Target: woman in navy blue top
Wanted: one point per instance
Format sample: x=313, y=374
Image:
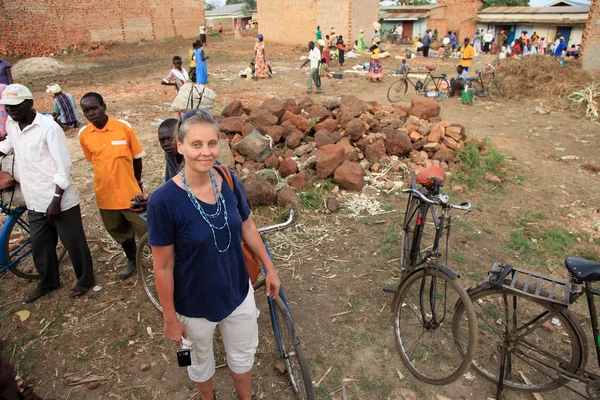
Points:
x=196, y=223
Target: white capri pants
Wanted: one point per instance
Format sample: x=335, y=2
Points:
x=239, y=332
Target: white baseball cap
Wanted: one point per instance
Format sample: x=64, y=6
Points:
x=15, y=94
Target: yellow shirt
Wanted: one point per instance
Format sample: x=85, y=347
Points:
x=467, y=52
x=375, y=54
x=112, y=150
x=192, y=59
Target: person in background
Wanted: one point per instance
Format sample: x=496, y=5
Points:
x=571, y=51
x=314, y=57
x=324, y=69
x=458, y=83
x=534, y=43
x=44, y=165
x=201, y=69
x=5, y=72
x=426, y=43
x=435, y=37
x=453, y=39
x=501, y=40
x=341, y=49
x=318, y=34
x=203, y=35
x=542, y=44
x=361, y=42
x=220, y=29
x=488, y=38
x=196, y=224
x=116, y=154
x=477, y=40
x=516, y=48
x=3, y=115
x=192, y=72
x=261, y=69
x=467, y=55
x=326, y=53
x=402, y=69
x=166, y=133
x=559, y=48
x=525, y=42
x=178, y=76
x=375, y=67
x=65, y=107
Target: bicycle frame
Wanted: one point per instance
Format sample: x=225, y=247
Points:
x=12, y=214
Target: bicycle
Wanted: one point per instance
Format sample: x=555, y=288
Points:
x=533, y=342
x=289, y=346
x=434, y=86
x=495, y=89
x=425, y=297
x=15, y=243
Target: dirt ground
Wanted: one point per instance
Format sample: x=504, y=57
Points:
x=331, y=264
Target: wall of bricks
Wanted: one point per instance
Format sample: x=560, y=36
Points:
x=591, y=38
x=59, y=24
x=295, y=21
x=458, y=16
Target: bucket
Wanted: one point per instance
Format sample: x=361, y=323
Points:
x=467, y=96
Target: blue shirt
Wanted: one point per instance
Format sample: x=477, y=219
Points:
x=62, y=113
x=208, y=284
x=3, y=76
x=453, y=39
x=426, y=40
x=561, y=46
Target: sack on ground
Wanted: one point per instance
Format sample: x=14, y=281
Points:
x=193, y=96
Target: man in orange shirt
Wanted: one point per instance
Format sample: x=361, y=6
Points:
x=116, y=153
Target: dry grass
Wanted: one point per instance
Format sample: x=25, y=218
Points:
x=541, y=77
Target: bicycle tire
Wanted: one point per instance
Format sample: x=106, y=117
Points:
x=439, y=86
x=411, y=233
x=444, y=361
x=484, y=359
x=295, y=361
x=25, y=268
x=397, y=90
x=497, y=91
x=145, y=270
x=478, y=89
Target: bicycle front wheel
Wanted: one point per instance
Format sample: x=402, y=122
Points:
x=412, y=231
x=291, y=351
x=543, y=339
x=423, y=314
x=438, y=88
x=497, y=91
x=18, y=249
x=397, y=90
x=145, y=270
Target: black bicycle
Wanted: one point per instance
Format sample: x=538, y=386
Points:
x=493, y=88
x=426, y=297
x=532, y=341
x=423, y=81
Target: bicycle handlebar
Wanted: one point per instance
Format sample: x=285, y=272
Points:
x=441, y=200
x=278, y=227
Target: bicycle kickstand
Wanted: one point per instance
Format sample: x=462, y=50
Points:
x=504, y=359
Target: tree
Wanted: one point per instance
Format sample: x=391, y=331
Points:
x=413, y=2
x=250, y=4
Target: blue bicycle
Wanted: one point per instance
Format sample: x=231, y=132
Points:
x=15, y=243
x=282, y=321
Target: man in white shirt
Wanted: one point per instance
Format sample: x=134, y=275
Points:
x=314, y=58
x=44, y=165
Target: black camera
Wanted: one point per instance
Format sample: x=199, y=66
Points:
x=184, y=357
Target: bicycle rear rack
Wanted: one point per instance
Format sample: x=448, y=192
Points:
x=530, y=283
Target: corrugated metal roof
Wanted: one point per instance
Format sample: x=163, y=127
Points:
x=536, y=10
x=403, y=15
x=410, y=8
x=233, y=9
x=507, y=20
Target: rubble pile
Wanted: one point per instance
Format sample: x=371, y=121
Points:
x=342, y=138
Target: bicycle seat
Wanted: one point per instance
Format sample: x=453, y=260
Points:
x=431, y=67
x=582, y=269
x=6, y=180
x=430, y=175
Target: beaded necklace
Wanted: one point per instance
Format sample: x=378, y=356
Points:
x=221, y=207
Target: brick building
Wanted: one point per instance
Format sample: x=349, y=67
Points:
x=55, y=24
x=591, y=38
x=458, y=16
x=295, y=21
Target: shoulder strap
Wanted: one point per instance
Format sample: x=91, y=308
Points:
x=226, y=174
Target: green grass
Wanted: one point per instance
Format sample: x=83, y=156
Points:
x=311, y=199
x=473, y=166
x=313, y=121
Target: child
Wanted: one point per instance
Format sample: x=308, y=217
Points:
x=324, y=69
x=402, y=69
x=173, y=159
x=178, y=75
x=459, y=82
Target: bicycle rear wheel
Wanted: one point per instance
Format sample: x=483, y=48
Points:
x=543, y=339
x=496, y=90
x=291, y=351
x=478, y=89
x=397, y=90
x=427, y=346
x=145, y=270
x=438, y=88
x=18, y=249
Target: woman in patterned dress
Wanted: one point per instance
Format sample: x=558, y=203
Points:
x=261, y=69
